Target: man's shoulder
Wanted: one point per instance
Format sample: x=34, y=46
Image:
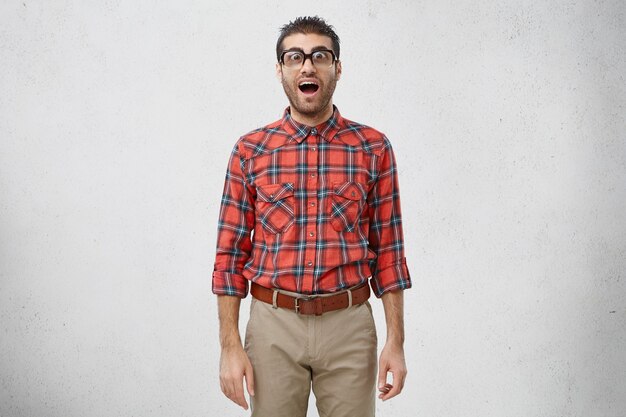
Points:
x=361, y=135
x=262, y=139
x=259, y=134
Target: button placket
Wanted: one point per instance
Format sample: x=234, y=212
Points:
x=312, y=213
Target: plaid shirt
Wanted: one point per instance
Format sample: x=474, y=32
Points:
x=310, y=210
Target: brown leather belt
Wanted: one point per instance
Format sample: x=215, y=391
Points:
x=308, y=304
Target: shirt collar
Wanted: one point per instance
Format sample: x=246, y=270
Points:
x=299, y=132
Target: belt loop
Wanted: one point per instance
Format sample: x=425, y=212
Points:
x=274, y=297
x=349, y=298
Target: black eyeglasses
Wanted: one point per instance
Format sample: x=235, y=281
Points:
x=322, y=58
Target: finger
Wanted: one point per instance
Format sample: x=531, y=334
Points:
x=235, y=393
x=241, y=399
x=385, y=389
x=225, y=386
x=402, y=379
x=382, y=375
x=395, y=390
x=398, y=382
x=249, y=374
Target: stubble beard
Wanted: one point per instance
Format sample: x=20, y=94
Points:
x=301, y=105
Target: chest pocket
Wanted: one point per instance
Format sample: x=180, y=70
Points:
x=275, y=206
x=346, y=204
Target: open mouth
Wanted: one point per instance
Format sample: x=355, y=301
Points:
x=308, y=87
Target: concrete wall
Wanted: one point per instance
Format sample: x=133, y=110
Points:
x=508, y=121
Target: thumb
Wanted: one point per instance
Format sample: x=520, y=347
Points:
x=382, y=375
x=249, y=379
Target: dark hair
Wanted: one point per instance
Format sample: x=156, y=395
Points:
x=306, y=25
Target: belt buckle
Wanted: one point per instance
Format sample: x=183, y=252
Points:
x=297, y=303
x=317, y=302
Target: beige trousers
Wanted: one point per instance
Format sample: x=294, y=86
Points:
x=335, y=354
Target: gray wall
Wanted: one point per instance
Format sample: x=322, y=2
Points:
x=508, y=121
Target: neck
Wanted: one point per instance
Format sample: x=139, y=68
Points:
x=312, y=119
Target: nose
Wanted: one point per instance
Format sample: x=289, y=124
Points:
x=307, y=65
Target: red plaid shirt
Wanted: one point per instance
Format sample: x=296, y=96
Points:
x=310, y=210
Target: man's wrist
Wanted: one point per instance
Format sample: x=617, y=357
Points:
x=395, y=341
x=232, y=344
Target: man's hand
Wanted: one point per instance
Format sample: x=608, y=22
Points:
x=392, y=356
x=234, y=366
x=391, y=360
x=234, y=363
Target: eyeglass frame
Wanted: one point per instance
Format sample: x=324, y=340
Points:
x=281, y=60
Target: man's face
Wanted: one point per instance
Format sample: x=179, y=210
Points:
x=313, y=100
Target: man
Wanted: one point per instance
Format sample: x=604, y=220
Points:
x=310, y=212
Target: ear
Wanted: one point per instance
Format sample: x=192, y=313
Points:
x=338, y=69
x=279, y=72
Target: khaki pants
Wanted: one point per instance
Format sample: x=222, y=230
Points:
x=335, y=354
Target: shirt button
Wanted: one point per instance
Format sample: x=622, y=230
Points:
x=312, y=203
x=314, y=131
x=313, y=149
x=310, y=263
x=311, y=234
x=313, y=175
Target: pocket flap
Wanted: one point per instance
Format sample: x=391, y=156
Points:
x=274, y=192
x=349, y=190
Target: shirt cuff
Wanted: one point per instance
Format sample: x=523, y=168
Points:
x=226, y=283
x=390, y=278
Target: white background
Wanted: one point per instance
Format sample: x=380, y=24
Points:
x=508, y=122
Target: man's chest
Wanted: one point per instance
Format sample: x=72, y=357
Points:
x=313, y=165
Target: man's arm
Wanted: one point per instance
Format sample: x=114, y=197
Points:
x=392, y=356
x=234, y=363
x=236, y=220
x=390, y=275
x=233, y=250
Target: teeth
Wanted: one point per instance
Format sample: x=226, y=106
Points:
x=307, y=83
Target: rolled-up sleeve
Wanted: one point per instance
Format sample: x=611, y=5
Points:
x=389, y=269
x=236, y=220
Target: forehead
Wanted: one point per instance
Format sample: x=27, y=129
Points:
x=307, y=41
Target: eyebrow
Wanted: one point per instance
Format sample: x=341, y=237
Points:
x=315, y=48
